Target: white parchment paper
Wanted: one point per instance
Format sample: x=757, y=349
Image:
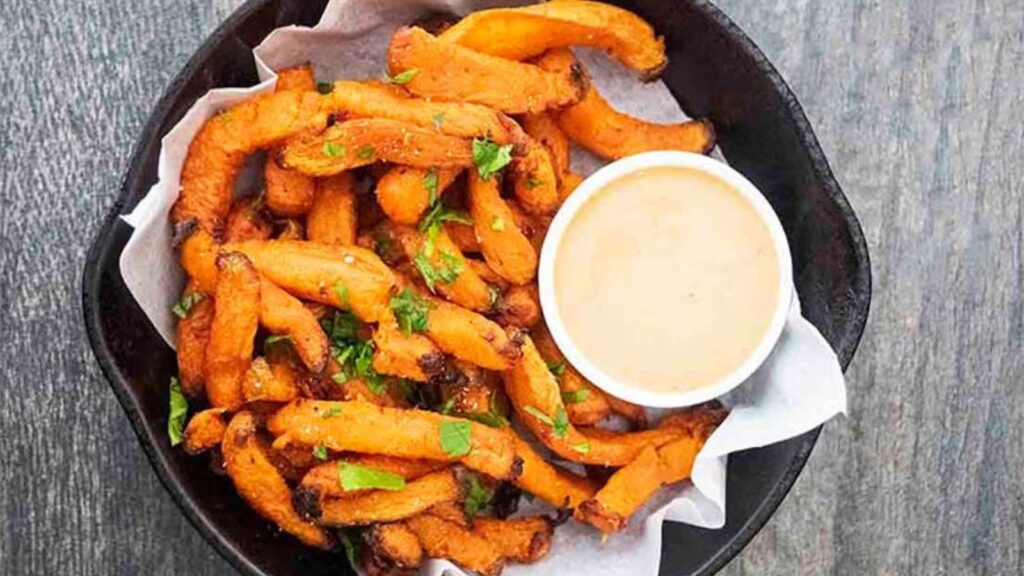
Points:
x=798, y=388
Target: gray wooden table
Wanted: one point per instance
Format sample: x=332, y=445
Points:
x=919, y=106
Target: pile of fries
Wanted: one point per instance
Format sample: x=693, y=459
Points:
x=366, y=330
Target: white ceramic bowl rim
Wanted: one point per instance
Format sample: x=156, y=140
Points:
x=583, y=193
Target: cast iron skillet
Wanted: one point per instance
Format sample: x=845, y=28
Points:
x=714, y=71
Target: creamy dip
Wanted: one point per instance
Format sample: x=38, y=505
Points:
x=667, y=279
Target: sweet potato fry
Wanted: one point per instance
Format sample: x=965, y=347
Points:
x=507, y=251
x=289, y=192
x=235, y=320
x=484, y=271
x=595, y=125
x=404, y=192
x=346, y=277
x=443, y=539
x=411, y=356
x=447, y=71
x=519, y=306
x=260, y=484
x=524, y=32
x=443, y=268
x=363, y=141
x=464, y=237
x=387, y=506
x=469, y=336
x=193, y=333
x=261, y=384
x=543, y=128
x=332, y=218
x=246, y=221
x=584, y=402
x=283, y=314
x=297, y=78
x=535, y=178
x=395, y=543
x=552, y=484
x=217, y=152
x=204, y=431
x=198, y=256
x=363, y=427
x=609, y=510
x=523, y=540
x=322, y=480
x=534, y=393
x=374, y=100
x=635, y=414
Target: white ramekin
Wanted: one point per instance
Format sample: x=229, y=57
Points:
x=583, y=193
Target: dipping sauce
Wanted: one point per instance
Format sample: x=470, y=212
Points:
x=667, y=279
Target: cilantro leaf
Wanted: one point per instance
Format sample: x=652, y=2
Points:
x=438, y=120
x=320, y=452
x=178, y=411
x=539, y=415
x=582, y=447
x=324, y=87
x=356, y=477
x=532, y=182
x=331, y=412
x=430, y=183
x=410, y=311
x=352, y=552
x=557, y=368
x=365, y=152
x=342, y=291
x=498, y=223
x=478, y=496
x=402, y=77
x=333, y=149
x=575, y=396
x=561, y=424
x=184, y=306
x=448, y=406
x=455, y=437
x=490, y=158
x=492, y=419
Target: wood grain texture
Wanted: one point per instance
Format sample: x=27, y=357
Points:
x=919, y=107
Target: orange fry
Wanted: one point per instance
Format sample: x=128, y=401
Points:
x=507, y=251
x=363, y=427
x=332, y=218
x=204, y=431
x=282, y=313
x=363, y=141
x=595, y=125
x=411, y=356
x=537, y=400
x=246, y=221
x=345, y=277
x=446, y=71
x=444, y=539
x=444, y=269
x=387, y=506
x=193, y=334
x=404, y=192
x=322, y=480
x=527, y=31
x=552, y=484
x=235, y=320
x=260, y=484
x=523, y=540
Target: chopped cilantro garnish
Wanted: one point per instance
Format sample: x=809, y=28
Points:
x=582, y=447
x=559, y=424
x=356, y=477
x=365, y=152
x=331, y=412
x=342, y=291
x=498, y=223
x=448, y=406
x=402, y=77
x=333, y=149
x=478, y=497
x=557, y=368
x=430, y=183
x=455, y=438
x=324, y=87
x=438, y=120
x=320, y=452
x=410, y=310
x=575, y=396
x=533, y=182
x=184, y=306
x=178, y=410
x=489, y=157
